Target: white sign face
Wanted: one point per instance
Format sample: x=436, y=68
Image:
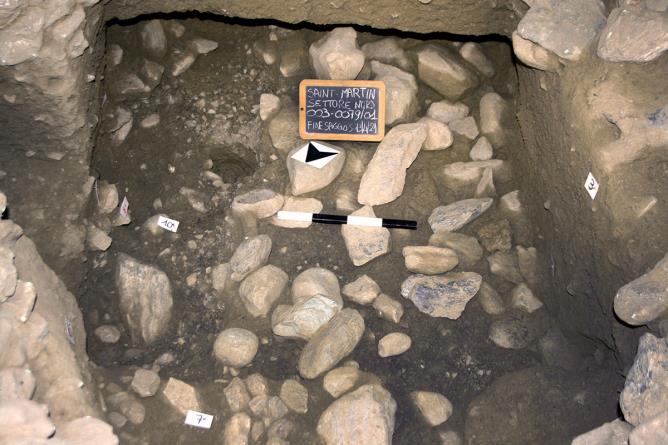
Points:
x=591, y=184
x=125, y=206
x=316, y=154
x=200, y=420
x=168, y=224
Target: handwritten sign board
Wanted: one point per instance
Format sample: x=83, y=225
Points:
x=352, y=110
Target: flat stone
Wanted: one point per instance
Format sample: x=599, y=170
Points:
x=473, y=54
x=181, y=396
x=496, y=235
x=261, y=289
x=466, y=127
x=429, y=260
x=400, y=92
x=365, y=243
x=296, y=204
x=261, y=203
x=445, y=111
x=445, y=71
x=504, y=265
x=270, y=105
x=434, y=407
x=305, y=178
x=439, y=136
x=145, y=382
x=150, y=121
x=236, y=347
x=392, y=344
x=466, y=247
x=644, y=299
x=522, y=298
x=534, y=55
x=316, y=281
x=295, y=396
x=340, y=380
x=305, y=318
x=362, y=291
x=482, y=150
x=388, y=308
x=251, y=254
x=336, y=55
x=443, y=295
x=492, y=110
x=182, y=61
x=454, y=216
x=385, y=175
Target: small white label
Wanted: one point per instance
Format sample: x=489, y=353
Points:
x=591, y=185
x=168, y=224
x=125, y=206
x=200, y=420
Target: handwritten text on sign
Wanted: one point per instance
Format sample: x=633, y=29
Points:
x=198, y=419
x=342, y=110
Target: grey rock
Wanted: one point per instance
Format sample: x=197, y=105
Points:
x=392, y=344
x=181, y=62
x=337, y=56
x=365, y=243
x=466, y=247
x=434, y=407
x=145, y=297
x=400, y=92
x=445, y=71
x=203, y=46
x=456, y=215
x=492, y=110
x=261, y=289
x=316, y=281
x=236, y=347
x=251, y=254
x=429, y=260
x=442, y=295
x=611, y=433
x=504, y=265
x=388, y=308
x=445, y=111
x=362, y=291
x=305, y=318
x=305, y=178
x=490, y=300
x=646, y=298
x=486, y=188
x=522, y=298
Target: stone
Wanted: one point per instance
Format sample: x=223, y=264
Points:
x=429, y=260
x=145, y=382
x=482, y=150
x=117, y=420
x=97, y=240
x=220, y=276
x=181, y=396
x=296, y=204
x=645, y=392
x=129, y=84
x=466, y=127
x=331, y=344
x=387, y=50
x=336, y=55
x=122, y=126
x=251, y=254
x=496, y=236
x=388, y=308
x=486, y=188
x=490, y=300
x=504, y=265
x=203, y=46
x=365, y=243
x=527, y=260
x=305, y=178
x=439, y=136
x=556, y=350
x=151, y=73
x=450, y=438
x=392, y=344
x=236, y=347
x=128, y=406
x=445, y=111
x=644, y=299
x=270, y=105
x=261, y=289
x=21, y=305
x=114, y=55
x=294, y=59
x=340, y=380
x=516, y=330
x=182, y=61
x=473, y=54
x=385, y=175
x=295, y=396
x=266, y=51
x=510, y=203
x=85, y=431
x=633, y=33
x=534, y=55
x=445, y=71
x=492, y=110
x=400, y=93
x=462, y=173
x=305, y=318
x=362, y=291
x=434, y=407
x=8, y=274
x=284, y=130
x=150, y=121
x=653, y=431
x=316, y=281
x=25, y=419
x=107, y=197
x=16, y=384
x=522, y=298
x=153, y=38
x=364, y=416
x=454, y=216
x=237, y=430
x=237, y=395
x=198, y=200
x=260, y=203
x=442, y=295
x=466, y=247
x=257, y=384
x=611, y=433
x=145, y=298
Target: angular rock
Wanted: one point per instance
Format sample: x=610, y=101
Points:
x=445, y=111
x=340, y=380
x=496, y=236
x=490, y=300
x=504, y=264
x=181, y=396
x=153, y=38
x=331, y=343
x=434, y=407
x=534, y=55
x=236, y=347
x=516, y=330
x=439, y=136
x=429, y=260
x=611, y=433
x=107, y=197
x=270, y=104
x=236, y=395
x=486, y=188
x=385, y=175
x=387, y=50
x=365, y=243
x=456, y=215
x=295, y=204
x=443, y=295
x=305, y=178
x=482, y=150
x=400, y=92
x=460, y=173
x=362, y=291
x=646, y=298
x=220, y=276
x=466, y=247
x=445, y=72
x=652, y=431
x=388, y=308
x=466, y=127
x=203, y=46
x=365, y=416
x=145, y=297
x=97, y=240
x=145, y=382
x=492, y=109
x=510, y=203
x=251, y=254
x=522, y=298
x=392, y=344
x=257, y=384
x=284, y=130
x=295, y=396
x=261, y=289
x=473, y=54
x=337, y=56
x=316, y=281
x=85, y=431
x=182, y=61
x=305, y=318
x=261, y=203
x=237, y=430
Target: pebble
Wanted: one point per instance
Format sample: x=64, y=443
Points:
x=150, y=121
x=439, y=136
x=220, y=276
x=466, y=247
x=490, y=300
x=236, y=347
x=482, y=150
x=365, y=243
x=445, y=111
x=97, y=240
x=395, y=343
x=445, y=71
x=260, y=290
x=644, y=299
x=363, y=290
x=181, y=396
x=429, y=260
x=510, y=203
x=522, y=298
x=454, y=216
x=316, y=281
x=108, y=334
x=295, y=396
x=145, y=382
x=182, y=62
x=236, y=395
x=340, y=380
x=203, y=46
x=434, y=407
x=442, y=295
x=251, y=254
x=336, y=55
x=388, y=308
x=473, y=54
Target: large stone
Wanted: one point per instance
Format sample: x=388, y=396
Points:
x=145, y=297
x=153, y=38
x=365, y=243
x=145, y=382
x=385, y=176
x=646, y=298
x=237, y=430
x=284, y=129
x=466, y=247
x=534, y=55
x=442, y=295
x=434, y=407
x=429, y=260
x=251, y=254
x=496, y=235
x=454, y=216
x=400, y=92
x=445, y=71
x=362, y=291
x=236, y=347
x=181, y=396
x=492, y=109
x=316, y=281
x=261, y=289
x=261, y=203
x=473, y=54
x=295, y=204
x=566, y=27
x=439, y=136
x=522, y=298
x=331, y=343
x=634, y=33
x=611, y=433
x=305, y=178
x=387, y=50
x=653, y=431
x=305, y=318
x=340, y=380
x=295, y=396
x=392, y=344
x=645, y=392
x=365, y=416
x=445, y=111
x=336, y=56
x=85, y=431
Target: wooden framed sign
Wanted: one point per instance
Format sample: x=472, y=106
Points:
x=351, y=110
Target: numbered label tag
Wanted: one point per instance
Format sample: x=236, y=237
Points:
x=591, y=184
x=168, y=224
x=125, y=206
x=200, y=420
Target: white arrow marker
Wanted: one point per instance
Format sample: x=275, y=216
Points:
x=316, y=154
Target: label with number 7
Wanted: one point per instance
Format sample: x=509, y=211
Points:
x=200, y=420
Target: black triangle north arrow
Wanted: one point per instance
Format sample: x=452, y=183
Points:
x=313, y=154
